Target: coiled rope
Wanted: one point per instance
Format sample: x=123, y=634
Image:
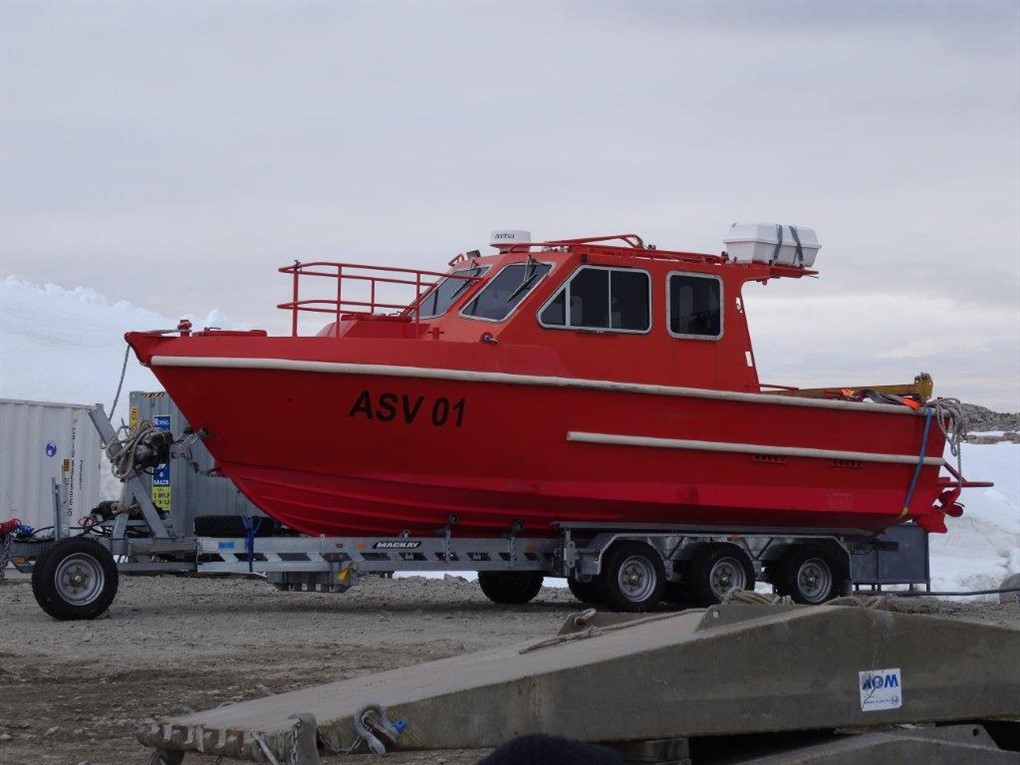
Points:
x=952, y=419
x=123, y=465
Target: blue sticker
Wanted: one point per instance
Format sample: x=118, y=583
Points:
x=51, y=449
x=161, y=474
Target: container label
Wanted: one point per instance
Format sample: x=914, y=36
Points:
x=881, y=689
x=161, y=473
x=51, y=449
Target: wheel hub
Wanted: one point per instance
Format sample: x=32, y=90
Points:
x=79, y=579
x=727, y=575
x=814, y=581
x=635, y=579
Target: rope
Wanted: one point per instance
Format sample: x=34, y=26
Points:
x=120, y=384
x=752, y=598
x=123, y=465
x=952, y=420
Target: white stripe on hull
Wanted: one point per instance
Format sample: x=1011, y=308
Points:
x=733, y=448
x=426, y=373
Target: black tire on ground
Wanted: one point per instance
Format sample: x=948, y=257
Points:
x=715, y=570
x=810, y=574
x=510, y=588
x=233, y=526
x=678, y=594
x=633, y=577
x=75, y=579
x=586, y=592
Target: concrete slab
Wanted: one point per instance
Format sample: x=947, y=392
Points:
x=731, y=670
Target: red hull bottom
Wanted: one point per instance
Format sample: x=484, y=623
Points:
x=337, y=505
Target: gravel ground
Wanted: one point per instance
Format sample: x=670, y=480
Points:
x=75, y=692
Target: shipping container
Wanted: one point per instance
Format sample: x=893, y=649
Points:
x=41, y=441
x=184, y=491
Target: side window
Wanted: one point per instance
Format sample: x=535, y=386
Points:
x=601, y=298
x=505, y=290
x=695, y=306
x=441, y=297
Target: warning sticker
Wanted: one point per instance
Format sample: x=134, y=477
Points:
x=881, y=689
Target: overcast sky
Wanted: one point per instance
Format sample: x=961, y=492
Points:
x=174, y=154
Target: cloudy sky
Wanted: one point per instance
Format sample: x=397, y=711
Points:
x=175, y=153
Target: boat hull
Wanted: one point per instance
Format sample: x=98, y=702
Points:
x=339, y=446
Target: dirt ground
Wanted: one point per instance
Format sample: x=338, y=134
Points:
x=76, y=692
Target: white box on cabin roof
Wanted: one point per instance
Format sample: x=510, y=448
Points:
x=773, y=243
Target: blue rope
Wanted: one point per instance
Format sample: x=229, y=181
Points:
x=920, y=462
x=251, y=527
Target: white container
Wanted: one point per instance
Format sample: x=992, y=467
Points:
x=40, y=441
x=772, y=243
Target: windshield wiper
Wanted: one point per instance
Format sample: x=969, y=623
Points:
x=529, y=275
x=464, y=282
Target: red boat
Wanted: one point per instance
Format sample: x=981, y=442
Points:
x=598, y=381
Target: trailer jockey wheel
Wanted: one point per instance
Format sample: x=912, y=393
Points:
x=810, y=574
x=75, y=579
x=633, y=577
x=716, y=570
x=510, y=588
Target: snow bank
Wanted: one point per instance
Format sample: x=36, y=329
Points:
x=68, y=345
x=982, y=547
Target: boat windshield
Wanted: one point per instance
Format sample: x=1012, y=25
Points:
x=506, y=290
x=441, y=297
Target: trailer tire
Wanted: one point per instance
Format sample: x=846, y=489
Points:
x=716, y=570
x=510, y=588
x=810, y=574
x=75, y=579
x=633, y=577
x=586, y=592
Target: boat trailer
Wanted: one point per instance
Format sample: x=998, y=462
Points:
x=777, y=684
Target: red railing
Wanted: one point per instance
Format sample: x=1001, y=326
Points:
x=371, y=279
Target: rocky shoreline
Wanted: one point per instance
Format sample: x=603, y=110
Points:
x=981, y=420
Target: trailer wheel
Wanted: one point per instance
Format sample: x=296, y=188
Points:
x=510, y=588
x=633, y=577
x=75, y=579
x=586, y=592
x=718, y=569
x=810, y=574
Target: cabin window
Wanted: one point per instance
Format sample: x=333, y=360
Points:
x=505, y=290
x=596, y=297
x=695, y=306
x=441, y=297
